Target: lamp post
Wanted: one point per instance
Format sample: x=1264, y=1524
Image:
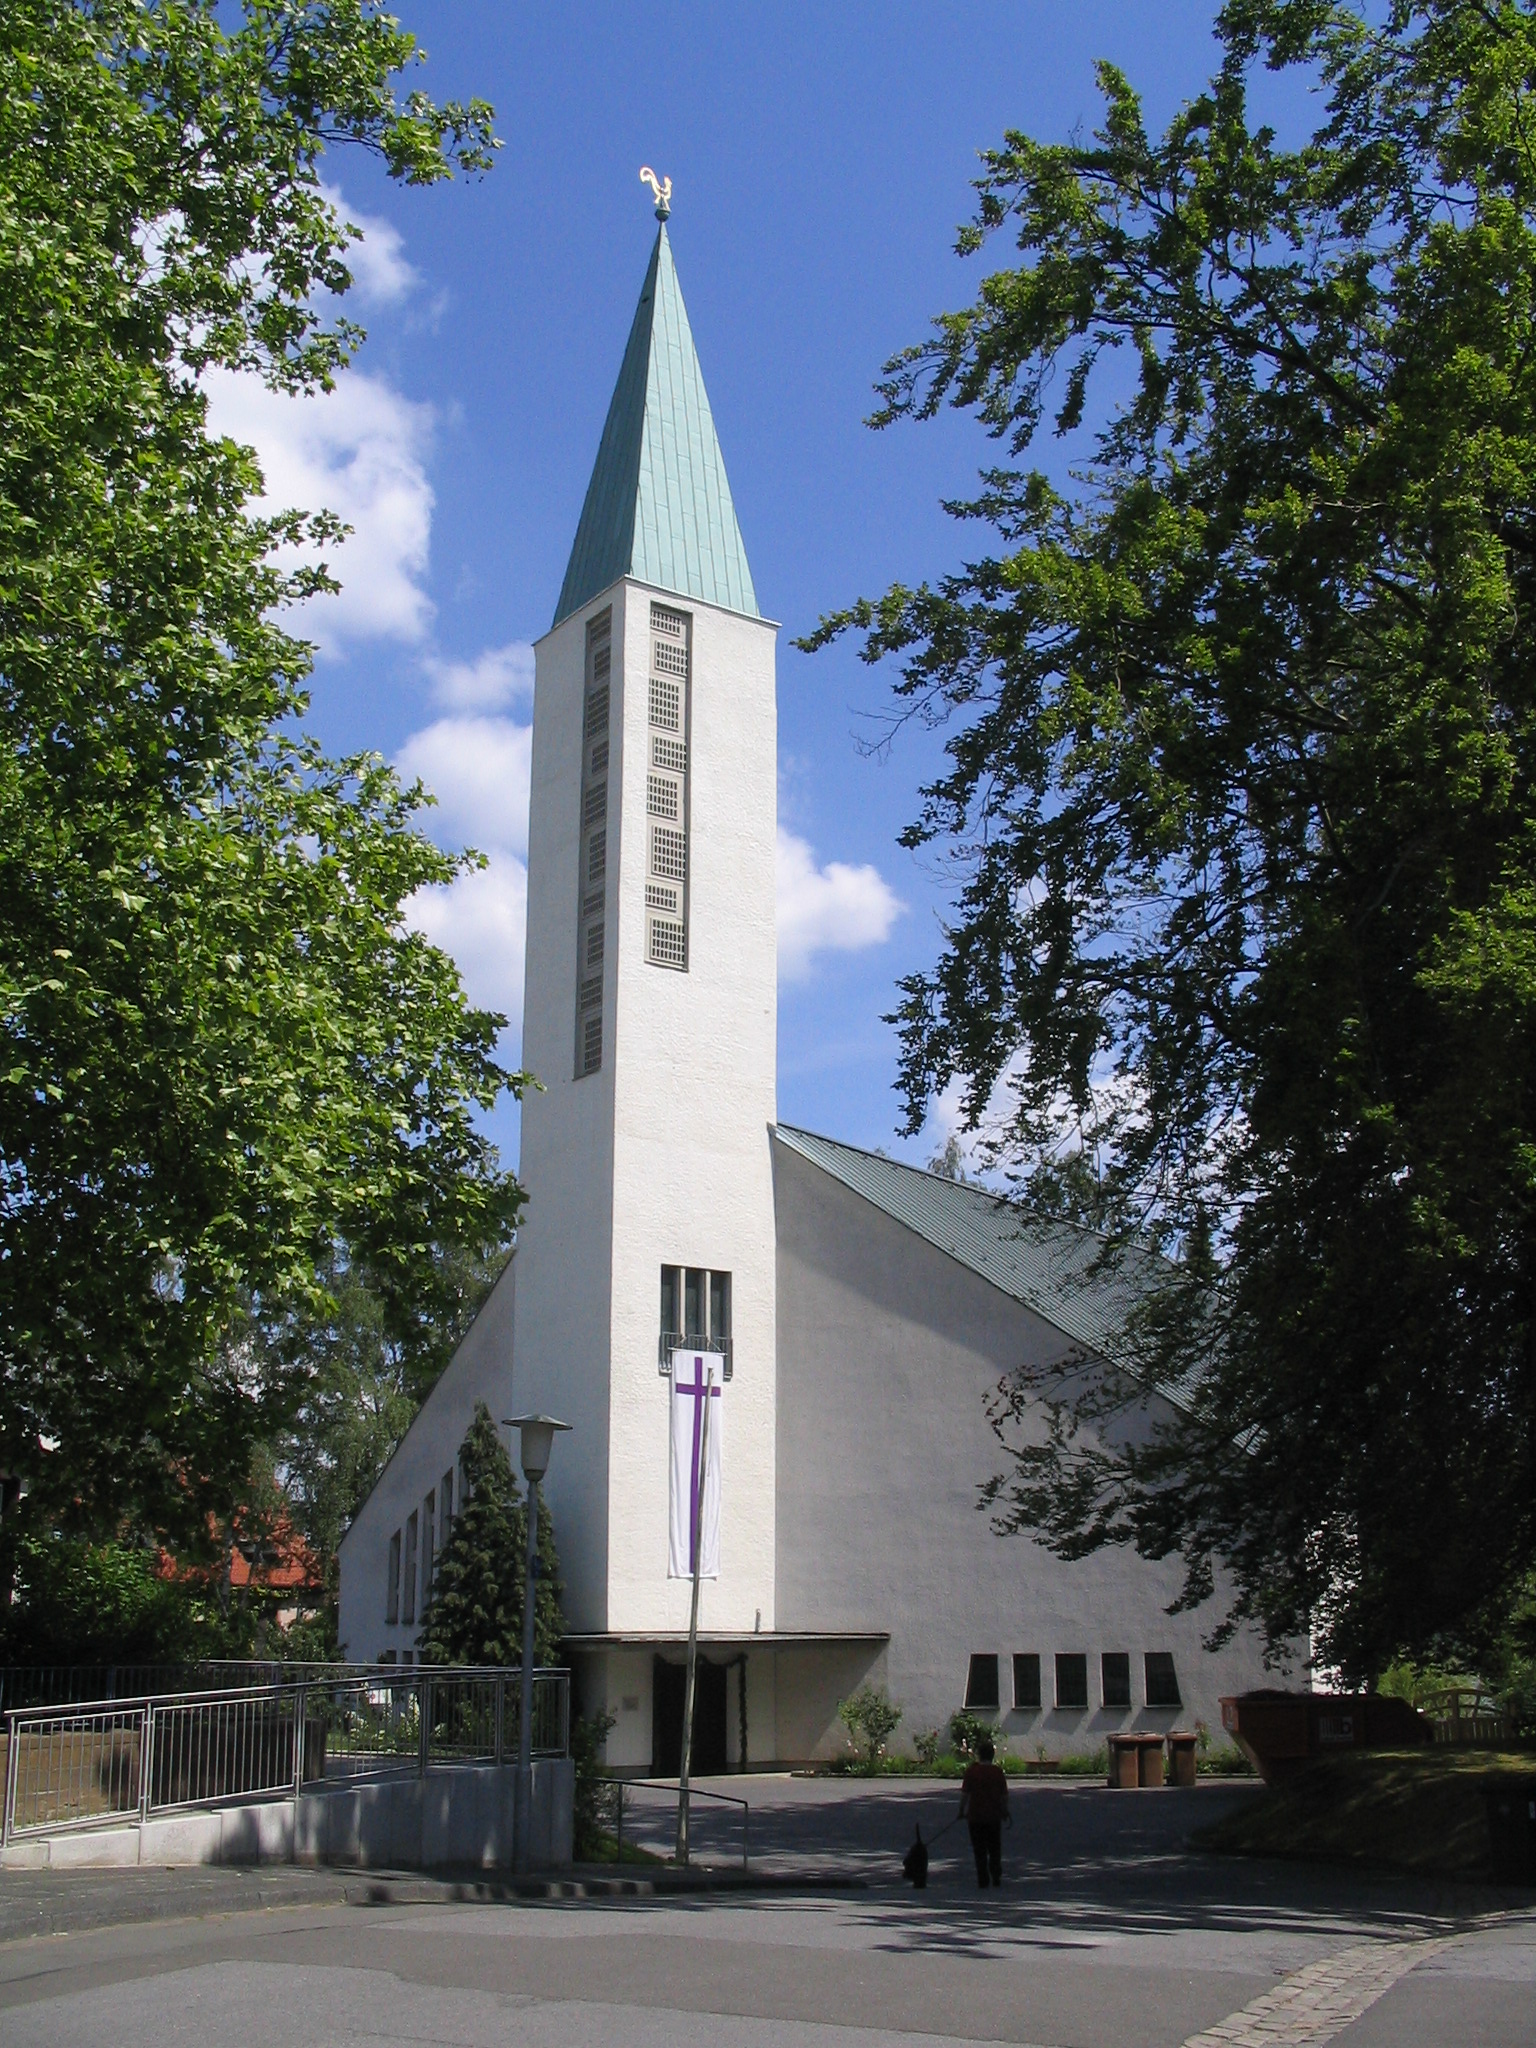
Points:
x=536, y=1438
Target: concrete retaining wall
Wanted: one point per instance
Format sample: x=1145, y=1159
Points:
x=460, y=1814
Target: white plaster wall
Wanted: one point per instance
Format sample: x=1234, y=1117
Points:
x=887, y=1352
x=809, y=1683
x=694, y=1097
x=566, y=1165
x=481, y=1369
x=626, y=1675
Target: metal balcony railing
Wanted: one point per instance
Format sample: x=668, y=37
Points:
x=673, y=1340
x=96, y=1763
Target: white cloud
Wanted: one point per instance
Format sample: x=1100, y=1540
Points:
x=357, y=451
x=831, y=909
x=498, y=677
x=478, y=770
x=479, y=920
x=381, y=276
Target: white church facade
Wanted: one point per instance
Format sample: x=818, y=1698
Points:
x=854, y=1314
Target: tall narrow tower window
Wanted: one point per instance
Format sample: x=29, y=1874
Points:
x=666, y=790
x=593, y=859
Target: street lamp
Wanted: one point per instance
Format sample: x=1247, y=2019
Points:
x=536, y=1439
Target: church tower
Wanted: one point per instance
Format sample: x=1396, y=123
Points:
x=650, y=1015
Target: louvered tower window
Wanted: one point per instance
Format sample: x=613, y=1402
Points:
x=593, y=862
x=666, y=790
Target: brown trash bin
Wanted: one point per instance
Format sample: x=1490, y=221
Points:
x=1124, y=1772
x=1181, y=1759
x=1149, y=1772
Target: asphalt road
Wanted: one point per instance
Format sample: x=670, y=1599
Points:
x=1108, y=1930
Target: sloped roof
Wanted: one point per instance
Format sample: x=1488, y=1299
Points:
x=1046, y=1265
x=659, y=506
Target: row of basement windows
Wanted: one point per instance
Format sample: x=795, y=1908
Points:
x=412, y=1555
x=983, y=1692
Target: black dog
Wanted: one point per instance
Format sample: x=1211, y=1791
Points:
x=915, y=1863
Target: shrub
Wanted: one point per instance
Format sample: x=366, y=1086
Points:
x=589, y=1832
x=1088, y=1764
x=870, y=1717
x=926, y=1747
x=966, y=1731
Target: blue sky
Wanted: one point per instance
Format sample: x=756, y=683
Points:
x=821, y=160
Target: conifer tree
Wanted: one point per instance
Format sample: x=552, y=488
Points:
x=476, y=1612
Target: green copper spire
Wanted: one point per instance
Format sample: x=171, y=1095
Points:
x=659, y=507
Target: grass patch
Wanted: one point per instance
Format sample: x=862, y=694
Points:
x=1419, y=1810
x=1228, y=1761
x=604, y=1848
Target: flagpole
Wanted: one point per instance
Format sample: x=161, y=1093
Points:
x=693, y=1626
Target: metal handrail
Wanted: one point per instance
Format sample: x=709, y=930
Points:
x=96, y=1763
x=694, y=1792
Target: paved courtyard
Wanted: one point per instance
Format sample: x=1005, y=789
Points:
x=1109, y=1930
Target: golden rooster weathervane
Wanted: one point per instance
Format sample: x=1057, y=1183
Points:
x=661, y=187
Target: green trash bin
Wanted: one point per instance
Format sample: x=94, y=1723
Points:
x=1512, y=1831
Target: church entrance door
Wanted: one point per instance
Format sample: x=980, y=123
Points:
x=669, y=1690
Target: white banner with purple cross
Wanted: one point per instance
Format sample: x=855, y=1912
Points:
x=695, y=1383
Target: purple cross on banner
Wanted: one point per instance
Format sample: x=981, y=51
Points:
x=695, y=1382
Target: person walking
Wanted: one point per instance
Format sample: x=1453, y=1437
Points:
x=984, y=1808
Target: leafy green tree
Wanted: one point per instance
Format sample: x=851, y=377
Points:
x=476, y=1612
x=1239, y=784
x=222, y=1053
x=362, y=1377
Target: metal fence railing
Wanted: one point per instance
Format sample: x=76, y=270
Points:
x=88, y=1764
x=58, y=1685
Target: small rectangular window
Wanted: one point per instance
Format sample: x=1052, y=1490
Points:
x=408, y=1585
x=598, y=768
x=1115, y=1678
x=386, y=1656
x=668, y=943
x=592, y=1042
x=594, y=805
x=670, y=660
x=695, y=1298
x=392, y=1590
x=665, y=620
x=597, y=857
x=428, y=1559
x=1162, y=1680
x=1026, y=1681
x=659, y=898
x=981, y=1696
x=671, y=1309
x=666, y=705
x=669, y=854
x=596, y=720
x=719, y=1308
x=661, y=795
x=1071, y=1679
x=445, y=1499
x=695, y=1315
x=671, y=755
x=594, y=945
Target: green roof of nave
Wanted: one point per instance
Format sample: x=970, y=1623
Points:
x=659, y=507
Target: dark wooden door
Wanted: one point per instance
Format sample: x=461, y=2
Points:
x=669, y=1688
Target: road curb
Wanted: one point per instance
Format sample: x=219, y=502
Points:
x=381, y=1890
